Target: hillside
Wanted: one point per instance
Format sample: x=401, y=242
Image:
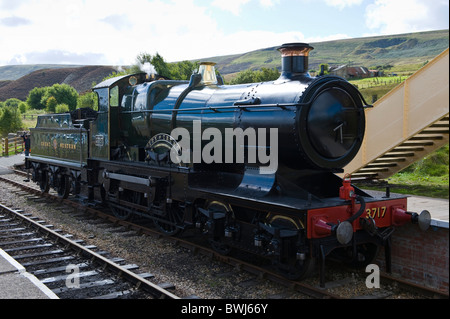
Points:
x=411, y=48
x=372, y=52
x=81, y=78
x=14, y=72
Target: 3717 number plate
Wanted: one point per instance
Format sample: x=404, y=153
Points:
x=376, y=212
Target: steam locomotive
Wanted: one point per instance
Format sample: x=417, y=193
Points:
x=255, y=168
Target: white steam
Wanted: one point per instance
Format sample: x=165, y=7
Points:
x=148, y=68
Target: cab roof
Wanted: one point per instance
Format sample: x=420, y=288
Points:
x=122, y=80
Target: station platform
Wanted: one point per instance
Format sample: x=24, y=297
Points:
x=16, y=283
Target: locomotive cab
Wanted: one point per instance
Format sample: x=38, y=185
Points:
x=105, y=129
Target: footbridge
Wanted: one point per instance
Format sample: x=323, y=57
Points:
x=406, y=124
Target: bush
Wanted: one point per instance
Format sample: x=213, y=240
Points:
x=13, y=102
x=23, y=107
x=89, y=100
x=10, y=120
x=35, y=97
x=251, y=76
x=38, y=98
x=63, y=93
x=51, y=104
x=62, y=108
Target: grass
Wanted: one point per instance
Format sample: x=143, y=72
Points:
x=410, y=184
x=427, y=177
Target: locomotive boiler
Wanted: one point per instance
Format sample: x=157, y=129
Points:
x=250, y=167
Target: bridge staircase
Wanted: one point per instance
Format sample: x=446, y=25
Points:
x=406, y=124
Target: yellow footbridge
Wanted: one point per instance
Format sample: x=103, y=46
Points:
x=406, y=124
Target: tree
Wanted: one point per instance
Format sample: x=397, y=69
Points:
x=13, y=102
x=62, y=108
x=34, y=99
x=160, y=65
x=10, y=120
x=246, y=76
x=143, y=58
x=88, y=100
x=51, y=104
x=23, y=107
x=253, y=76
x=182, y=70
x=63, y=93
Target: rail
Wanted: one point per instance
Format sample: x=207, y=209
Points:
x=123, y=272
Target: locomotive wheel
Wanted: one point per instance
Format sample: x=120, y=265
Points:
x=122, y=212
x=44, y=182
x=365, y=254
x=63, y=188
x=289, y=268
x=300, y=270
x=216, y=243
x=221, y=248
x=75, y=185
x=167, y=223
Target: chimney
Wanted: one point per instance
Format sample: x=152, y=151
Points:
x=294, y=59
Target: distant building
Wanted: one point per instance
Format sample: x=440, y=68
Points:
x=352, y=72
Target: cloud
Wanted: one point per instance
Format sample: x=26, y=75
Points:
x=405, y=16
x=268, y=3
x=11, y=5
x=341, y=4
x=14, y=21
x=118, y=21
x=55, y=57
x=179, y=29
x=233, y=6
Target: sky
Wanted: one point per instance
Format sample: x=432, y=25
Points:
x=115, y=32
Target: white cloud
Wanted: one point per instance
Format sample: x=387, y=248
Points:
x=233, y=6
x=115, y=33
x=405, y=16
x=110, y=32
x=14, y=21
x=105, y=28
x=268, y=3
x=341, y=4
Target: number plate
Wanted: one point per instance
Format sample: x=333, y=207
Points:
x=376, y=212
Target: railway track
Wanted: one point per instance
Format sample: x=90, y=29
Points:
x=69, y=267
x=308, y=288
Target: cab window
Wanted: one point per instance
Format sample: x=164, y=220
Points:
x=140, y=102
x=114, y=96
x=102, y=99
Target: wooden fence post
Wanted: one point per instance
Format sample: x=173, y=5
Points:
x=6, y=148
